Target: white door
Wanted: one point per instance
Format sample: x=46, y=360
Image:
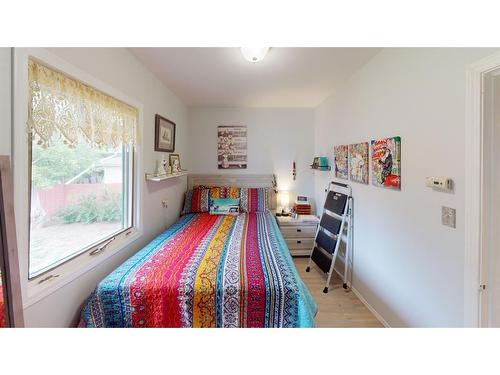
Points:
x=490, y=262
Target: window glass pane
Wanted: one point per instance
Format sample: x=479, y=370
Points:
x=79, y=198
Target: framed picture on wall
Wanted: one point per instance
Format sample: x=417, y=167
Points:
x=341, y=154
x=386, y=162
x=358, y=162
x=164, y=134
x=175, y=163
x=232, y=147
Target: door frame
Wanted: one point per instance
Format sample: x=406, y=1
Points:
x=474, y=188
x=9, y=256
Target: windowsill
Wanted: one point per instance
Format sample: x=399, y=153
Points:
x=72, y=270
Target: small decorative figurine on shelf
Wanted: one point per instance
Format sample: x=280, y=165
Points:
x=159, y=170
x=175, y=166
x=166, y=167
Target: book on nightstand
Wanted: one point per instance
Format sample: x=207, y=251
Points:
x=302, y=209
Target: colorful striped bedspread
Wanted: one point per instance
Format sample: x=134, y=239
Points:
x=206, y=271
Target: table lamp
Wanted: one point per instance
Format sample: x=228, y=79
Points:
x=284, y=201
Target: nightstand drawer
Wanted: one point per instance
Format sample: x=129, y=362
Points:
x=298, y=231
x=300, y=243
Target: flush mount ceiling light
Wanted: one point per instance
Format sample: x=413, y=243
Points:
x=254, y=54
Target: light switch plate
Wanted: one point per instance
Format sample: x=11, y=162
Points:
x=449, y=216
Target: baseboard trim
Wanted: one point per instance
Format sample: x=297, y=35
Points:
x=364, y=301
x=370, y=307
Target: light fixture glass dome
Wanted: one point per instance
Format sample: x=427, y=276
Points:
x=254, y=54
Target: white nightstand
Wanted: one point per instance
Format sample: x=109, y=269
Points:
x=298, y=233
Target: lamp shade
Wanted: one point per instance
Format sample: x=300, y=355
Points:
x=284, y=198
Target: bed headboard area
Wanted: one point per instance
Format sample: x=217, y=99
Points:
x=238, y=180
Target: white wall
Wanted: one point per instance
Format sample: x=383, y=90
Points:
x=276, y=138
x=118, y=68
x=5, y=101
x=408, y=266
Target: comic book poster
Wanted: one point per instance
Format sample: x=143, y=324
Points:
x=341, y=157
x=358, y=162
x=386, y=162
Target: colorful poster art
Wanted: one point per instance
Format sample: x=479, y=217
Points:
x=341, y=154
x=232, y=147
x=386, y=162
x=358, y=162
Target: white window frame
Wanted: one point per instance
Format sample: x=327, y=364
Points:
x=102, y=244
x=34, y=290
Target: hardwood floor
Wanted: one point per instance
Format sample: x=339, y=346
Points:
x=337, y=308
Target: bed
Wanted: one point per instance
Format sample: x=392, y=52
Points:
x=206, y=271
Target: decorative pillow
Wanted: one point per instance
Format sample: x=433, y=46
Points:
x=196, y=200
x=218, y=192
x=254, y=199
x=222, y=191
x=225, y=206
x=233, y=192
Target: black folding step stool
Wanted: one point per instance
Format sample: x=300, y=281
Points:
x=336, y=219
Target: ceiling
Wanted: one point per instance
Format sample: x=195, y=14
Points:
x=220, y=77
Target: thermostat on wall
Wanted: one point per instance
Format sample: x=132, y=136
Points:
x=439, y=183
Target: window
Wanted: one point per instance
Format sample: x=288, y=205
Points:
x=81, y=168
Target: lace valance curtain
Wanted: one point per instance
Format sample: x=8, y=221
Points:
x=60, y=106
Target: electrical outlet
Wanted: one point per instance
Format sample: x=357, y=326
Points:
x=448, y=216
x=164, y=203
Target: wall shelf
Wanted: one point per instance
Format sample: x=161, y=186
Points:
x=161, y=177
x=324, y=169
